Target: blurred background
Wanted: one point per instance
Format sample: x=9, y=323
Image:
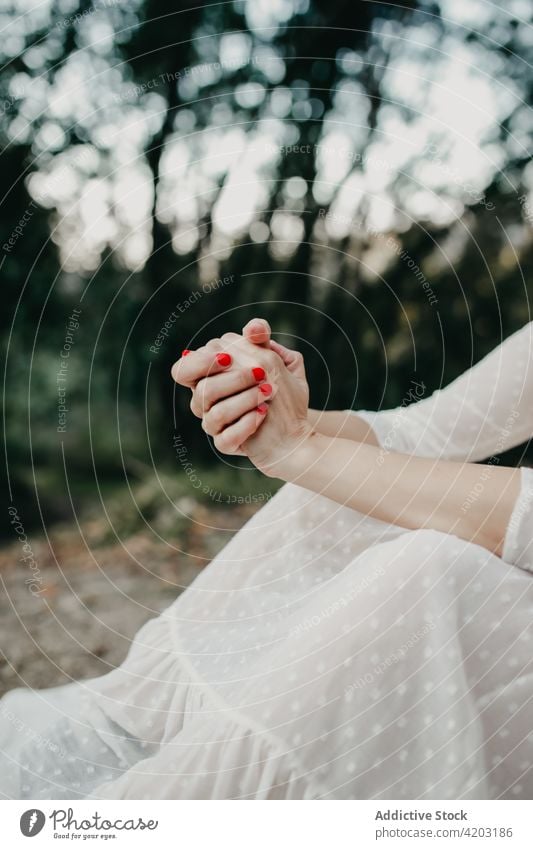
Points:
x=359, y=173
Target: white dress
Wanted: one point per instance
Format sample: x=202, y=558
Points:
x=322, y=654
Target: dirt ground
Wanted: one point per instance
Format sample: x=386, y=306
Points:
x=71, y=611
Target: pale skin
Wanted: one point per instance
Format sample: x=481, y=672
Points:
x=335, y=454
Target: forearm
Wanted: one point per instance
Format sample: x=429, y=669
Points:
x=345, y=425
x=472, y=501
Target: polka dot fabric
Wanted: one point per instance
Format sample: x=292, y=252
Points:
x=485, y=411
x=322, y=654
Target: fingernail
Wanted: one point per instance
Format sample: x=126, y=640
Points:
x=259, y=373
x=262, y=408
x=223, y=359
x=185, y=352
x=266, y=389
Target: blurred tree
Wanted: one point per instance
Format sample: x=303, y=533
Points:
x=317, y=155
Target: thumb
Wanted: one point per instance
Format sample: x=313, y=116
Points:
x=258, y=332
x=293, y=359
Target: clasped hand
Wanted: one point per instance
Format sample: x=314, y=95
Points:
x=251, y=394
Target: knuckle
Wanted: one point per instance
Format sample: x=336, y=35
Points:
x=264, y=358
x=209, y=425
x=222, y=444
x=230, y=337
x=193, y=405
x=203, y=394
x=174, y=371
x=270, y=362
x=269, y=359
x=215, y=418
x=244, y=377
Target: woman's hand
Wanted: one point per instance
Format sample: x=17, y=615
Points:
x=234, y=419
x=225, y=389
x=273, y=447
x=353, y=471
x=213, y=358
x=232, y=377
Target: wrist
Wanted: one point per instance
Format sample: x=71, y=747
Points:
x=304, y=456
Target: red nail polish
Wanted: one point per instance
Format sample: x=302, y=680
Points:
x=223, y=359
x=266, y=389
x=262, y=408
x=185, y=352
x=259, y=373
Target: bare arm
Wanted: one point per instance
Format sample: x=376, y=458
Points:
x=472, y=501
x=344, y=424
x=336, y=455
x=488, y=409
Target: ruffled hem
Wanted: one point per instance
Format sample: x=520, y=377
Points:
x=240, y=764
x=200, y=747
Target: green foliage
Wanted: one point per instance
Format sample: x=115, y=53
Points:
x=180, y=80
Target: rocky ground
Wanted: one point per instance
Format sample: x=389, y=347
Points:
x=71, y=611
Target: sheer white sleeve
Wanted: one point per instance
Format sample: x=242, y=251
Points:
x=485, y=411
x=518, y=543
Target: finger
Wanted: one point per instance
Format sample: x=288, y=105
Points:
x=214, y=345
x=231, y=439
x=227, y=412
x=188, y=370
x=257, y=331
x=211, y=390
x=231, y=338
x=292, y=359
